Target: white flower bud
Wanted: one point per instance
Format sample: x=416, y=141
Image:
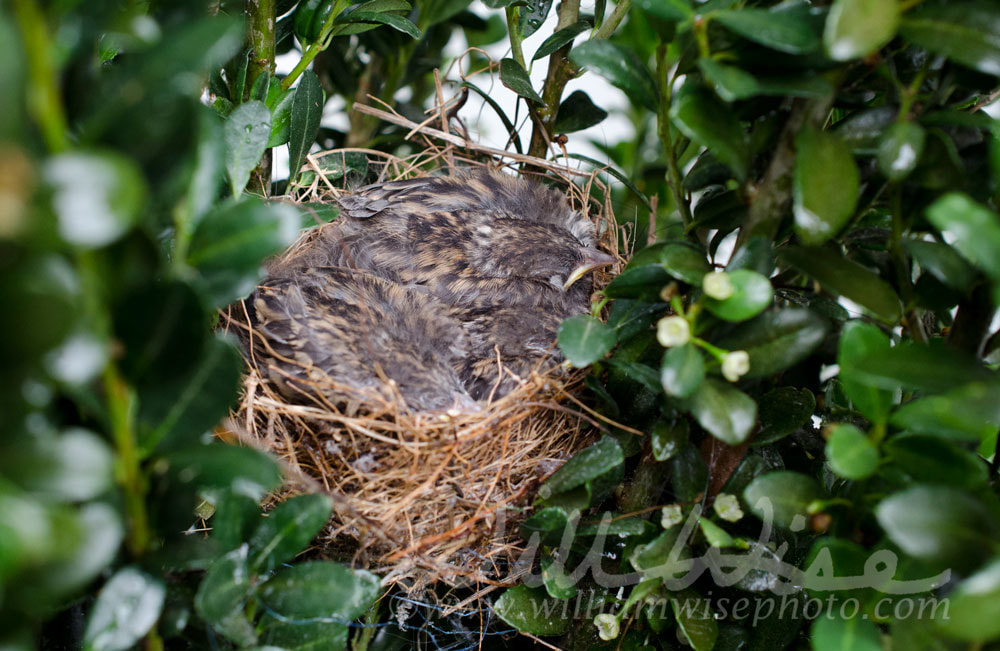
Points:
x=735, y=365
x=717, y=285
x=673, y=331
x=728, y=507
x=607, y=626
x=671, y=516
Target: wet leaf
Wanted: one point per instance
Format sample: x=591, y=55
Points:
x=320, y=589
x=514, y=77
x=784, y=31
x=559, y=39
x=826, y=185
x=974, y=229
x=682, y=371
x=704, y=119
x=531, y=611
x=900, y=150
x=578, y=112
x=127, y=607
x=246, y=132
x=967, y=32
x=724, y=411
x=621, y=67
x=856, y=28
x=304, y=123
x=846, y=278
x=584, y=340
x=288, y=529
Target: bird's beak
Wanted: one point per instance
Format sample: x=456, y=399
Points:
x=592, y=259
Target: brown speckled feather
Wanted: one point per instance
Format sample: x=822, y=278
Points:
x=328, y=323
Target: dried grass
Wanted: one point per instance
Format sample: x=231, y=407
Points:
x=426, y=497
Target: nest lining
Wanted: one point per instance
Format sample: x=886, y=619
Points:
x=423, y=497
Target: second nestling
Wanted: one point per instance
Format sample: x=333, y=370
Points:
x=428, y=282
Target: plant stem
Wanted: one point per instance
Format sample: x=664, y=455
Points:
x=514, y=31
x=674, y=179
x=121, y=411
x=313, y=49
x=261, y=25
x=44, y=99
x=561, y=70
x=609, y=26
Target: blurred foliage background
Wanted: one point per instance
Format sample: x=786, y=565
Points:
x=809, y=315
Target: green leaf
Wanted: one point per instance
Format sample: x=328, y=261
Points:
x=225, y=588
x=695, y=619
x=704, y=119
x=667, y=439
x=127, y=608
x=688, y=474
x=578, y=112
x=862, y=130
x=850, y=454
x=931, y=459
x=584, y=340
x=752, y=295
x=725, y=412
x=730, y=83
x=281, y=118
x=831, y=633
x=846, y=278
x=974, y=229
x=934, y=368
x=943, y=262
x=667, y=9
x=288, y=529
x=74, y=466
x=559, y=582
x=825, y=186
x=969, y=413
x=620, y=66
x=966, y=32
x=777, y=340
x=663, y=556
x=974, y=606
x=900, y=150
x=782, y=412
x=682, y=371
x=715, y=535
x=784, y=496
x=599, y=459
x=643, y=283
x=217, y=465
x=320, y=589
x=784, y=31
x=514, y=77
x=246, y=131
x=684, y=262
x=399, y=23
x=185, y=408
x=938, y=523
x=858, y=340
x=548, y=524
x=532, y=611
x=96, y=196
x=307, y=112
x=856, y=28
x=560, y=38
x=231, y=242
x=234, y=517
x=533, y=15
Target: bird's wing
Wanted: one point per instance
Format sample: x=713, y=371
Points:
x=371, y=200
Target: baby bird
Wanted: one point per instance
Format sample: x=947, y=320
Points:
x=479, y=240
x=344, y=331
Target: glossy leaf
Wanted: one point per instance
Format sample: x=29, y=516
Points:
x=667, y=439
x=826, y=186
x=643, y=283
x=724, y=411
x=974, y=229
x=695, y=620
x=931, y=459
x=782, y=412
x=560, y=38
x=514, y=77
x=399, y=23
x=600, y=458
x=526, y=610
x=621, y=67
x=96, y=196
x=584, y=340
x=850, y=454
x=784, y=31
x=967, y=32
x=942, y=262
x=974, y=606
x=856, y=28
x=784, y=496
x=938, y=523
x=682, y=371
x=900, y=150
x=247, y=130
x=127, y=607
x=218, y=465
x=969, y=413
x=533, y=15
x=320, y=589
x=752, y=294
x=934, y=368
x=832, y=633
x=288, y=529
x=307, y=111
x=667, y=9
x=704, y=119
x=225, y=588
x=578, y=112
x=846, y=278
x=777, y=340
x=858, y=340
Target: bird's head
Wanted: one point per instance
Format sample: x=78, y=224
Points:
x=538, y=252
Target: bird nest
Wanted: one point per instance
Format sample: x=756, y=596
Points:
x=422, y=497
